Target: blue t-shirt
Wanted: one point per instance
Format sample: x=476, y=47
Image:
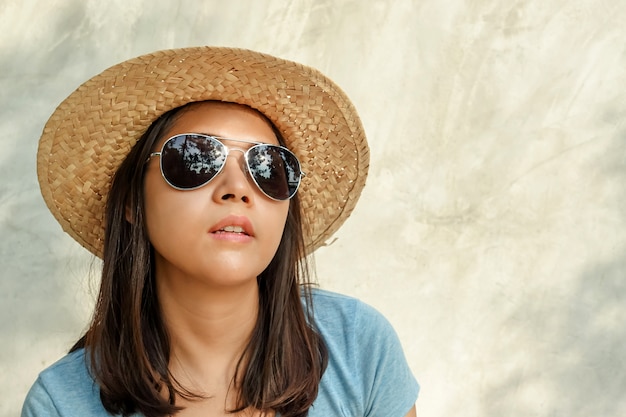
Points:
x=367, y=372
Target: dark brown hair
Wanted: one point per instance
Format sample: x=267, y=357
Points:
x=127, y=343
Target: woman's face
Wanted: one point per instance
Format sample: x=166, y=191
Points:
x=197, y=234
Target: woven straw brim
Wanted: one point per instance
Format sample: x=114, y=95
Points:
x=92, y=131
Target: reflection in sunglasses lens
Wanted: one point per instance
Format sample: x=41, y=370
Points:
x=268, y=170
x=190, y=161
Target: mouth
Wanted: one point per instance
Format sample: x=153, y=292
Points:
x=232, y=229
x=233, y=226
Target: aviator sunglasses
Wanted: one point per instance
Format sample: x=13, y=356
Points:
x=191, y=160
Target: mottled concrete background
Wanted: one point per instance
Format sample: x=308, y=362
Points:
x=491, y=232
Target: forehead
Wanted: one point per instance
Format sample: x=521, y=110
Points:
x=227, y=120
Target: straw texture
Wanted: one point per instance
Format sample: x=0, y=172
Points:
x=92, y=131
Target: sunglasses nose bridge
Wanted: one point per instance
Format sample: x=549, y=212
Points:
x=239, y=160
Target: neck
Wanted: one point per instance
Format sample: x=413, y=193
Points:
x=209, y=329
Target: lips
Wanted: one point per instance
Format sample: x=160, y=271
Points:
x=233, y=224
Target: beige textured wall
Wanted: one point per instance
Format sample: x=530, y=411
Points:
x=491, y=232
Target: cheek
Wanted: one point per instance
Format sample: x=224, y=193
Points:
x=154, y=212
x=175, y=229
x=166, y=211
x=156, y=221
x=277, y=223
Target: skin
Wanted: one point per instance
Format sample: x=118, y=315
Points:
x=206, y=282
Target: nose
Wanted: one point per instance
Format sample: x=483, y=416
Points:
x=232, y=182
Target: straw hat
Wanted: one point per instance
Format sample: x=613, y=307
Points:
x=93, y=129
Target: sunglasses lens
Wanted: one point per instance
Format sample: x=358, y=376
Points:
x=190, y=161
x=275, y=170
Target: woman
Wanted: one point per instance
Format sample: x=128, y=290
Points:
x=203, y=177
